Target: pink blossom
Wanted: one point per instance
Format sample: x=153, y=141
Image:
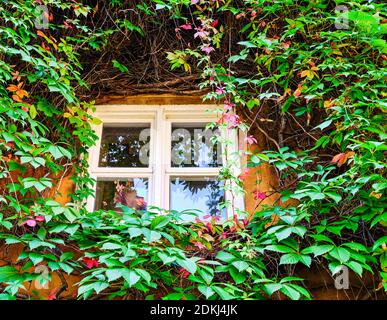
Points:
x=258, y=195
x=211, y=78
x=199, y=245
x=194, y=1
x=207, y=49
x=210, y=228
x=120, y=187
x=90, y=262
x=232, y=120
x=67, y=24
x=186, y=26
x=244, y=174
x=52, y=295
x=201, y=33
x=220, y=91
x=250, y=140
x=29, y=222
x=228, y=105
x=184, y=273
x=286, y=44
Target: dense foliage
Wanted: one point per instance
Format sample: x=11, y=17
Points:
x=310, y=80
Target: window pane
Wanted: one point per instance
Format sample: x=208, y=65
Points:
x=204, y=194
x=125, y=146
x=194, y=146
x=132, y=192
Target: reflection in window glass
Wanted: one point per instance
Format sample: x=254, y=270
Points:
x=194, y=146
x=197, y=193
x=125, y=146
x=132, y=192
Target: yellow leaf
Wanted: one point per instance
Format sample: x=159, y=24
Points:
x=13, y=88
x=308, y=73
x=96, y=121
x=41, y=34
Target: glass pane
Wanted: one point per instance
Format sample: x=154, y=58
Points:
x=125, y=146
x=204, y=194
x=132, y=192
x=194, y=146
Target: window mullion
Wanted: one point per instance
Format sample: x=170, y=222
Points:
x=158, y=154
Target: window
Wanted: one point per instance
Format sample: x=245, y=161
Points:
x=164, y=156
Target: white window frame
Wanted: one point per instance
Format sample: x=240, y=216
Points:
x=159, y=171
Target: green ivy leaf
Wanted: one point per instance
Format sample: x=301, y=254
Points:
x=131, y=277
x=206, y=291
x=340, y=254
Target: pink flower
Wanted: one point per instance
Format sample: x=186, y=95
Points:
x=90, y=262
x=250, y=140
x=194, y=1
x=228, y=105
x=30, y=223
x=258, y=195
x=201, y=33
x=224, y=235
x=220, y=91
x=209, y=227
x=67, y=24
x=186, y=26
x=119, y=187
x=286, y=44
x=244, y=174
x=184, y=273
x=211, y=78
x=207, y=48
x=232, y=120
x=199, y=245
x=52, y=295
